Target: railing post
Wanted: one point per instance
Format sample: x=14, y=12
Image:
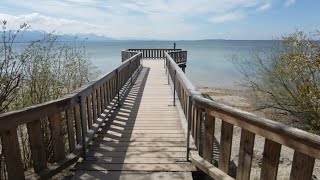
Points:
x=118, y=86
x=168, y=76
x=174, y=88
x=166, y=64
x=188, y=127
x=131, y=71
x=83, y=126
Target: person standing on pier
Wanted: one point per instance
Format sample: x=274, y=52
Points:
x=174, y=45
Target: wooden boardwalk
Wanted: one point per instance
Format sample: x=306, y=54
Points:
x=143, y=139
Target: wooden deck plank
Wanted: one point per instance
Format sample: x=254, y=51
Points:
x=141, y=144
x=103, y=148
x=144, y=133
x=133, y=175
x=139, y=154
x=144, y=139
x=90, y=166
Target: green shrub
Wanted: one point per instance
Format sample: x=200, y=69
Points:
x=287, y=79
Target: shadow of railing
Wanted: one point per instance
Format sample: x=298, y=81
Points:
x=113, y=138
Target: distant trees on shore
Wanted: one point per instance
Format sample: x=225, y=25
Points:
x=287, y=79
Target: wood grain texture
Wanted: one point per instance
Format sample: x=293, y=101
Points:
x=144, y=133
x=208, y=138
x=270, y=161
x=225, y=146
x=302, y=166
x=56, y=110
x=38, y=152
x=283, y=134
x=70, y=129
x=245, y=155
x=89, y=111
x=57, y=136
x=12, y=155
x=94, y=106
x=77, y=122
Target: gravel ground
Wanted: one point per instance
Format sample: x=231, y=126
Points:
x=237, y=98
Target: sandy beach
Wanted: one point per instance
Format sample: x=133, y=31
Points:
x=239, y=99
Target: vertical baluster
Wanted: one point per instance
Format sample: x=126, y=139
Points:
x=94, y=106
x=270, y=162
x=193, y=122
x=103, y=104
x=208, y=137
x=101, y=99
x=225, y=146
x=77, y=122
x=12, y=155
x=245, y=154
x=105, y=95
x=302, y=166
x=84, y=125
x=114, y=86
x=197, y=128
x=110, y=91
x=38, y=152
x=57, y=136
x=89, y=112
x=70, y=120
x=98, y=102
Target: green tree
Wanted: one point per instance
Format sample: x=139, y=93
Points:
x=287, y=79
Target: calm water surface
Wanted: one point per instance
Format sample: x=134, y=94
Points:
x=209, y=62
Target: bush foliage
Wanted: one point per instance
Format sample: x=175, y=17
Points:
x=36, y=72
x=287, y=79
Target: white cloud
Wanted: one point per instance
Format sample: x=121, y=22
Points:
x=289, y=2
x=264, y=7
x=161, y=19
x=49, y=24
x=232, y=16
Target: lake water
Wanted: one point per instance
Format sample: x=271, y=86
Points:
x=209, y=62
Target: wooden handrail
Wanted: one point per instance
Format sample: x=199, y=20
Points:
x=126, y=54
x=147, y=53
x=306, y=146
x=81, y=110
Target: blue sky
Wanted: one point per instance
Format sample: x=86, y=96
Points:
x=166, y=19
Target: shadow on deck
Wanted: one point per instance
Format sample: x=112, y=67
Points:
x=135, y=142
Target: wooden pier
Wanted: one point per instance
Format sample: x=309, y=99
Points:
x=145, y=120
x=143, y=136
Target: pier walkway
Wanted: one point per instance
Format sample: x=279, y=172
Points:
x=143, y=137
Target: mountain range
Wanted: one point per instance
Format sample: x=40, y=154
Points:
x=26, y=36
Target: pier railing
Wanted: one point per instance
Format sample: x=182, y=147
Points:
x=201, y=112
x=150, y=53
x=79, y=113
